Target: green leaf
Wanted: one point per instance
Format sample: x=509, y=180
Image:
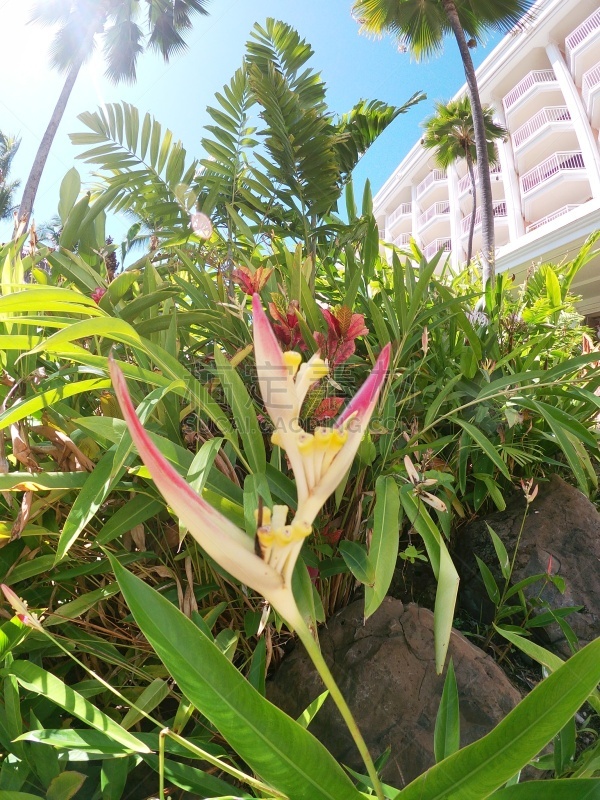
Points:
x=358, y=562
x=582, y=789
x=48, y=398
x=500, y=549
x=152, y=695
x=553, y=288
x=65, y=786
x=244, y=414
x=44, y=683
x=383, y=552
x=480, y=768
x=485, y=444
x=273, y=745
x=443, y=568
x=69, y=192
x=491, y=586
x=446, y=737
x=310, y=712
x=113, y=777
x=11, y=633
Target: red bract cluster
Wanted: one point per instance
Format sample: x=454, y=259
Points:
x=251, y=282
x=343, y=327
x=286, y=326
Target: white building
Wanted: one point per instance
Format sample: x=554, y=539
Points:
x=543, y=80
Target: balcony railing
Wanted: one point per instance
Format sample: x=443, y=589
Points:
x=580, y=34
x=464, y=183
x=531, y=79
x=499, y=211
x=590, y=80
x=402, y=240
x=403, y=210
x=435, y=210
x=549, y=217
x=436, y=246
x=559, y=162
x=543, y=117
x=435, y=176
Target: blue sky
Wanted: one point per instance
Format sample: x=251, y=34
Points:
x=353, y=66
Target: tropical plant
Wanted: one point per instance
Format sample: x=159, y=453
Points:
x=451, y=134
x=281, y=179
x=8, y=150
x=123, y=40
x=420, y=26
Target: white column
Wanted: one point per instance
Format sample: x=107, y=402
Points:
x=583, y=129
x=415, y=215
x=457, y=256
x=510, y=180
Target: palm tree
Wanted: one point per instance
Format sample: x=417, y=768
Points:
x=80, y=23
x=450, y=132
x=420, y=26
x=8, y=149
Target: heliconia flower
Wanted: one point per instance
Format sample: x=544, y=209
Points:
x=98, y=294
x=318, y=460
x=251, y=282
x=343, y=327
x=269, y=571
x=20, y=608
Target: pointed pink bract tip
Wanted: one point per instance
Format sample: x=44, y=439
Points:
x=364, y=400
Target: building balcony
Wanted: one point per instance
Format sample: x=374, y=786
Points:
x=402, y=240
x=562, y=177
x=438, y=244
x=549, y=131
x=464, y=184
x=553, y=116
x=590, y=85
x=499, y=212
x=403, y=211
x=433, y=214
x=549, y=217
x=582, y=46
x=556, y=164
x=436, y=178
x=537, y=80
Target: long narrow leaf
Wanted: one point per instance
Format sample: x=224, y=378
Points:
x=275, y=747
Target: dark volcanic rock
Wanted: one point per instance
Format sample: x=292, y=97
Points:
x=386, y=670
x=562, y=530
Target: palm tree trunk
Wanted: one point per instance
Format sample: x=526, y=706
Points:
x=33, y=181
x=474, y=191
x=487, y=216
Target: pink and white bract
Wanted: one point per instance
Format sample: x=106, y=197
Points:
x=319, y=462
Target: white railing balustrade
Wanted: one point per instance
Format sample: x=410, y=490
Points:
x=403, y=210
x=402, y=240
x=435, y=176
x=580, y=34
x=543, y=117
x=558, y=162
x=436, y=210
x=549, y=217
x=436, y=246
x=531, y=79
x=464, y=184
x=590, y=80
x=499, y=211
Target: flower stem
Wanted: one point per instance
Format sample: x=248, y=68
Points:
x=314, y=652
